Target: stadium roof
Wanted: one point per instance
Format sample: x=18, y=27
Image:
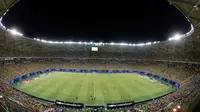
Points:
x=184, y=49
x=191, y=9
x=5, y=5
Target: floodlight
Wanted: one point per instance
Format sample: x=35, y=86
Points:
x=85, y=43
x=178, y=106
x=70, y=42
x=177, y=37
x=44, y=41
x=79, y=42
x=141, y=44
x=112, y=43
x=174, y=110
x=148, y=43
x=154, y=42
x=15, y=32
x=1, y=96
x=122, y=44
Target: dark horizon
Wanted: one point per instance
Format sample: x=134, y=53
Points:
x=152, y=21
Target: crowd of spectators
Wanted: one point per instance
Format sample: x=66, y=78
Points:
x=184, y=73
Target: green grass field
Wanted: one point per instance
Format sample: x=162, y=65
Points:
x=104, y=87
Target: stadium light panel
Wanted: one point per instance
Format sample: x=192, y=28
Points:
x=170, y=39
x=122, y=44
x=101, y=43
x=154, y=42
x=44, y=41
x=148, y=43
x=177, y=37
x=70, y=42
x=112, y=43
x=15, y=32
x=141, y=44
x=174, y=110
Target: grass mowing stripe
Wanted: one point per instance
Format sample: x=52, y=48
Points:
x=105, y=91
x=69, y=88
x=75, y=91
x=134, y=86
x=58, y=89
x=116, y=96
x=84, y=88
x=124, y=94
x=98, y=92
x=90, y=92
x=39, y=88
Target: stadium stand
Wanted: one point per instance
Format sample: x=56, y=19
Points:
x=176, y=60
x=183, y=73
x=186, y=49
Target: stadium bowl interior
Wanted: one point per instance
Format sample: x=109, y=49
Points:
x=178, y=61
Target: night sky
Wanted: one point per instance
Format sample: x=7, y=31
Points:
x=134, y=21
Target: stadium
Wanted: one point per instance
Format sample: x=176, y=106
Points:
x=40, y=75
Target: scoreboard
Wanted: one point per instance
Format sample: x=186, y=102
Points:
x=94, y=48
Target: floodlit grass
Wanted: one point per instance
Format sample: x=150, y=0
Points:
x=104, y=87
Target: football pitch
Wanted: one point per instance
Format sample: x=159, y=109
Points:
x=94, y=88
